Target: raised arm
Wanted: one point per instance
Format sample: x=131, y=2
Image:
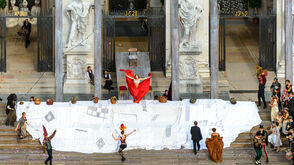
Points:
x=44, y=146
x=115, y=138
x=52, y=136
x=129, y=77
x=131, y=132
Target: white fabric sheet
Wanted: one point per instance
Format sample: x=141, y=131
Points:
x=87, y=127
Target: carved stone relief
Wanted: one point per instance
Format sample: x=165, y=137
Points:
x=76, y=67
x=188, y=68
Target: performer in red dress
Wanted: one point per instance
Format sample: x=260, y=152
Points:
x=138, y=87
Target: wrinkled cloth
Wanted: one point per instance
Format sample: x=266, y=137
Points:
x=86, y=127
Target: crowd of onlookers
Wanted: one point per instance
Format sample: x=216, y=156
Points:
x=282, y=114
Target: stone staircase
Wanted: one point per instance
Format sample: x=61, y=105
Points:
x=43, y=83
x=8, y=136
x=244, y=140
x=29, y=151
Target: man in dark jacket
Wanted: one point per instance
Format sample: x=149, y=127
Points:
x=290, y=105
x=196, y=136
x=27, y=27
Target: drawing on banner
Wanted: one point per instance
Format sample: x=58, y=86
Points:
x=100, y=143
x=49, y=117
x=81, y=130
x=168, y=131
x=100, y=112
x=155, y=117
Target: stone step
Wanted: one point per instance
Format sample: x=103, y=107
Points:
x=14, y=141
x=20, y=146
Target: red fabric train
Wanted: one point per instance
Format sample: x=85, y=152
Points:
x=137, y=92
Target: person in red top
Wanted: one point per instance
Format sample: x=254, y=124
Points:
x=262, y=81
x=137, y=86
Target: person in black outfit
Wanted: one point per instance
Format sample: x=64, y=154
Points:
x=165, y=93
x=196, y=136
x=47, y=145
x=27, y=27
x=288, y=86
x=108, y=81
x=290, y=124
x=276, y=90
x=290, y=105
x=123, y=144
x=261, y=86
x=90, y=75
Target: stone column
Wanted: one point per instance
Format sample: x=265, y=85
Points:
x=175, y=50
x=288, y=40
x=213, y=48
x=168, y=38
x=58, y=51
x=97, y=48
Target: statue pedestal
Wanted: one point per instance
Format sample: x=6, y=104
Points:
x=190, y=82
x=76, y=81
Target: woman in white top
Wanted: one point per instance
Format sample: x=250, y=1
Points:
x=274, y=108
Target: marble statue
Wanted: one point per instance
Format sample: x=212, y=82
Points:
x=36, y=10
x=13, y=6
x=77, y=12
x=25, y=6
x=190, y=12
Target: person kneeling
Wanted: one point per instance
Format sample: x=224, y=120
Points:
x=21, y=127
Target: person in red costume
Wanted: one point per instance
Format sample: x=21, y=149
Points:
x=137, y=86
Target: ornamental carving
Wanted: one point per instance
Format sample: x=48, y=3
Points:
x=188, y=68
x=76, y=67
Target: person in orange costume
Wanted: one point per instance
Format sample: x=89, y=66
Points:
x=215, y=146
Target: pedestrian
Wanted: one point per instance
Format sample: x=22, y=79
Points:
x=288, y=86
x=276, y=87
x=122, y=139
x=261, y=86
x=47, y=145
x=196, y=136
x=258, y=142
x=290, y=104
x=263, y=134
x=21, y=127
x=274, y=107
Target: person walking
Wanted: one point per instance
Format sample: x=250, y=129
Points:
x=263, y=134
x=261, y=86
x=258, y=142
x=47, y=145
x=196, y=136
